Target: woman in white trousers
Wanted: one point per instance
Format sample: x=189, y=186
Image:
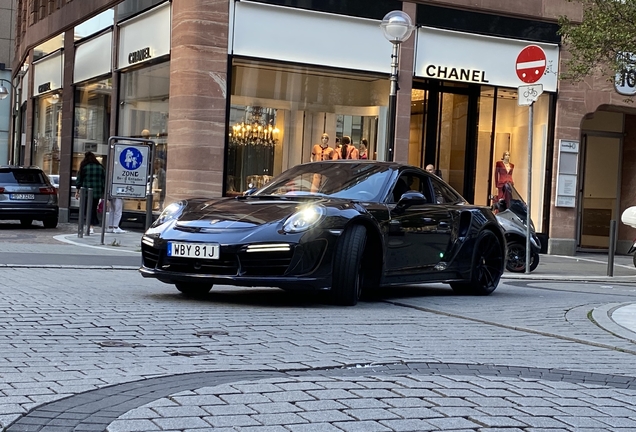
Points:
x=114, y=217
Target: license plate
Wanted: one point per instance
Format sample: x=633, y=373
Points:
x=193, y=250
x=22, y=196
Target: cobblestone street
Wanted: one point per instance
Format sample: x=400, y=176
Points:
x=91, y=349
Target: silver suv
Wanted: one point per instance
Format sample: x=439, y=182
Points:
x=27, y=194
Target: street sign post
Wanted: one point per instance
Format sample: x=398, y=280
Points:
x=129, y=171
x=531, y=64
x=528, y=94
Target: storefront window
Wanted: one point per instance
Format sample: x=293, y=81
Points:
x=47, y=133
x=477, y=139
x=91, y=124
x=278, y=113
x=144, y=114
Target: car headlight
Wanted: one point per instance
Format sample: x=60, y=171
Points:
x=304, y=219
x=171, y=212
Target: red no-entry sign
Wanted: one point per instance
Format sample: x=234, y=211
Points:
x=531, y=64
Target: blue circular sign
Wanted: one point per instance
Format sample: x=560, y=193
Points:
x=131, y=158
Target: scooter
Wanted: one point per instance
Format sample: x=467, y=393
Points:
x=512, y=213
x=629, y=218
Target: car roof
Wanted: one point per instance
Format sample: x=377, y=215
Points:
x=17, y=167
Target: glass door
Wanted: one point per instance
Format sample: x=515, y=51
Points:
x=599, y=190
x=444, y=119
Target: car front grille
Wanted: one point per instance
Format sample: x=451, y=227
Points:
x=149, y=255
x=226, y=265
x=265, y=263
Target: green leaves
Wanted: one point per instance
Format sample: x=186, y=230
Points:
x=603, y=42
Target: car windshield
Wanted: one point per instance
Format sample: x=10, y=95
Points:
x=363, y=181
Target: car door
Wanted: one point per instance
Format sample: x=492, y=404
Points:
x=418, y=237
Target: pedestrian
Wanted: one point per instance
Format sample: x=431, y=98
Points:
x=91, y=175
x=114, y=216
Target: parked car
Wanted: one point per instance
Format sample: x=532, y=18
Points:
x=343, y=226
x=27, y=194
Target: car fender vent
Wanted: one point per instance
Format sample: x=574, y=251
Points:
x=465, y=221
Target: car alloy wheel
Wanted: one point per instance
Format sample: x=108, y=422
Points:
x=488, y=264
x=348, y=277
x=516, y=258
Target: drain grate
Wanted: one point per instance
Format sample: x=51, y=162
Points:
x=118, y=344
x=211, y=333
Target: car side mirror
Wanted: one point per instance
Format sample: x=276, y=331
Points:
x=409, y=199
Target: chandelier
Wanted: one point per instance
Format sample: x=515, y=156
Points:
x=255, y=131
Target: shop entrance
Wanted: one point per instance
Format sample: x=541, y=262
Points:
x=444, y=116
x=599, y=189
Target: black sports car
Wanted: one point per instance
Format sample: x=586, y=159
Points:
x=344, y=226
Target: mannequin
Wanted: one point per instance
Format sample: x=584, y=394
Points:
x=322, y=151
x=503, y=173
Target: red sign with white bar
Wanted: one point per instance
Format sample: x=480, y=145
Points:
x=531, y=64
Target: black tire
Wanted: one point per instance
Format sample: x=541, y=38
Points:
x=348, y=276
x=487, y=266
x=634, y=260
x=516, y=258
x=50, y=222
x=194, y=290
x=26, y=222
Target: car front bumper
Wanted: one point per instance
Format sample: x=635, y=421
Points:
x=307, y=265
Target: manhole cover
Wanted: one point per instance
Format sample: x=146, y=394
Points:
x=118, y=344
x=188, y=353
x=211, y=333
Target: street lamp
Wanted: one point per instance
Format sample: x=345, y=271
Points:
x=397, y=27
x=4, y=92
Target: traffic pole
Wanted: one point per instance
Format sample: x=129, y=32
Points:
x=529, y=194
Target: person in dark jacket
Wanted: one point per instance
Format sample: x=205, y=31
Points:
x=91, y=174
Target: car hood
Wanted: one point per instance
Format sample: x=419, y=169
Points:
x=232, y=213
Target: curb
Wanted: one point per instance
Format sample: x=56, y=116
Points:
x=63, y=238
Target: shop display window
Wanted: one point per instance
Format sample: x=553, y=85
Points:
x=279, y=113
x=477, y=139
x=47, y=129
x=143, y=113
x=91, y=125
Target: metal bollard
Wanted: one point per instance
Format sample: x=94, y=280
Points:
x=82, y=213
x=89, y=210
x=612, y=248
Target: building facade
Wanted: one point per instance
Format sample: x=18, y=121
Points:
x=7, y=28
x=235, y=92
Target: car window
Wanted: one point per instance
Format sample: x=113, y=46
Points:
x=444, y=194
x=358, y=181
x=410, y=181
x=22, y=176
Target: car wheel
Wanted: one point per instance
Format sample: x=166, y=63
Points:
x=534, y=261
x=348, y=276
x=488, y=264
x=516, y=258
x=26, y=222
x=50, y=222
x=193, y=289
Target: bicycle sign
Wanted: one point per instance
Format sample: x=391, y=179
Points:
x=527, y=95
x=130, y=171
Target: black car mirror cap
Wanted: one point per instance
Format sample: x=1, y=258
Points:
x=411, y=198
